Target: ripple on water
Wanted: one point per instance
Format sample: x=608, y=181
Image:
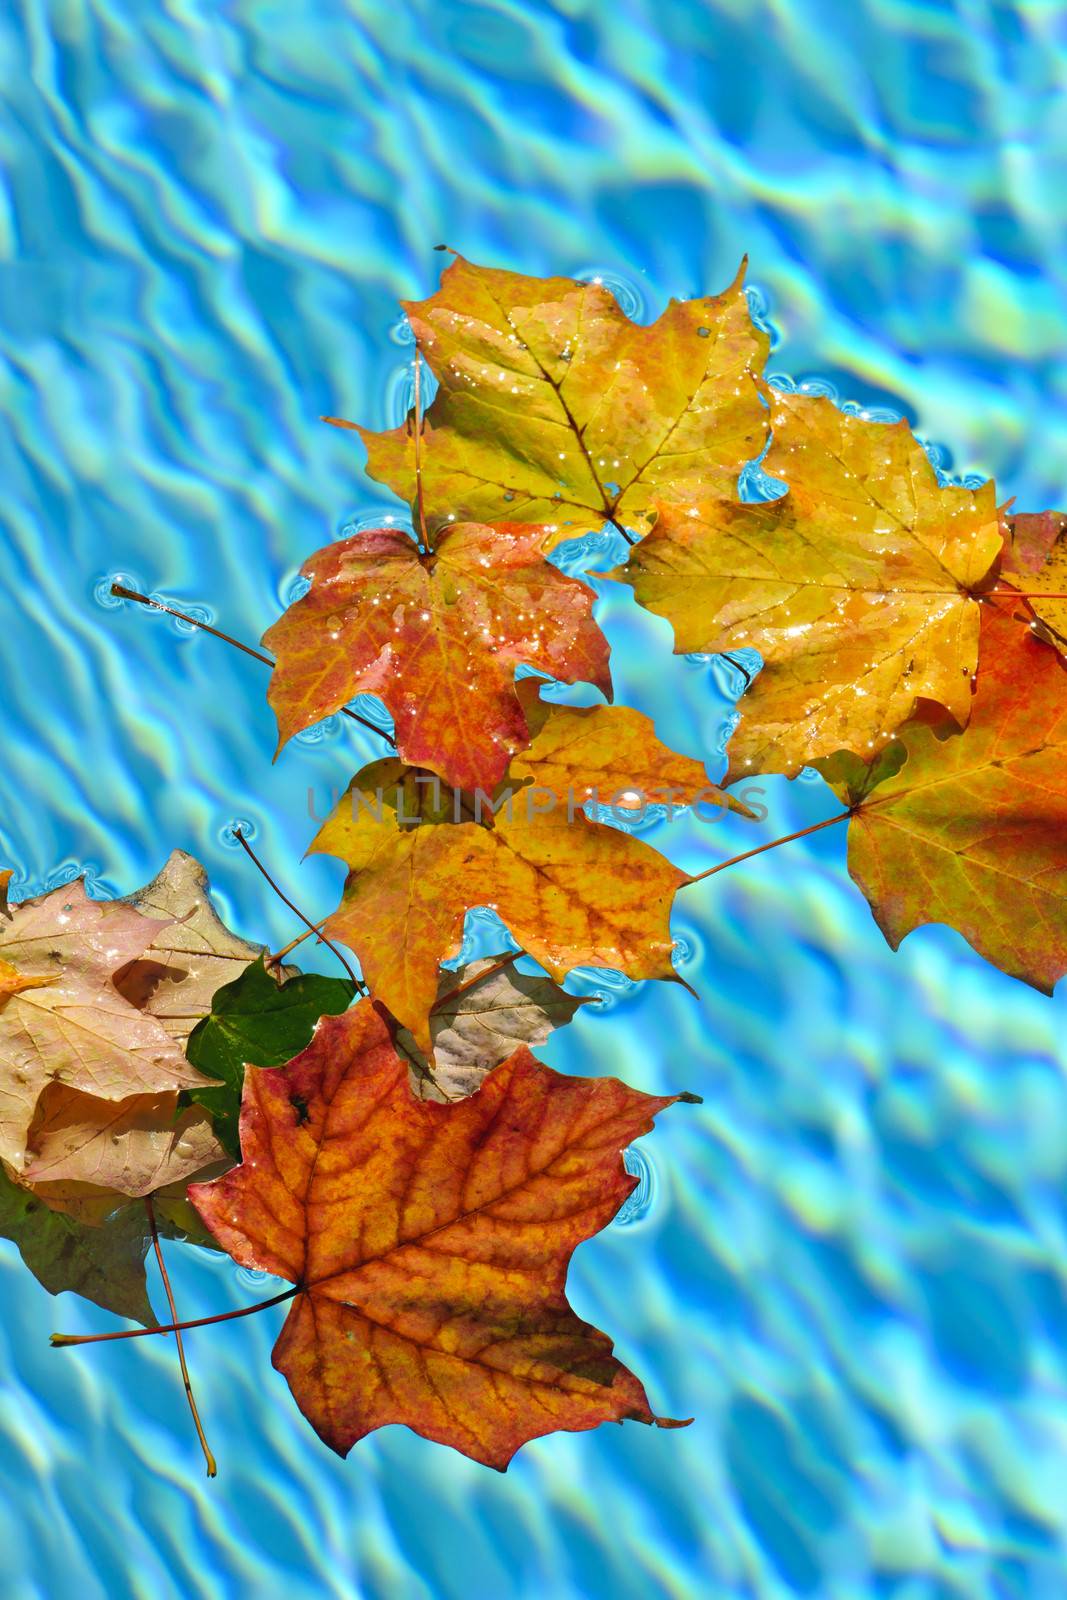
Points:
x=636, y=1207
x=627, y=292
x=227, y=834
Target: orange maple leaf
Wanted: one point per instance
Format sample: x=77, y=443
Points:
x=572, y=891
x=970, y=829
x=437, y=636
x=429, y=1243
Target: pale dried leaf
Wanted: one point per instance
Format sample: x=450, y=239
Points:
x=482, y=1014
x=72, y=1026
x=132, y=1146
x=192, y=957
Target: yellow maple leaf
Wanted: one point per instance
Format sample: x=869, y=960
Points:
x=555, y=408
x=856, y=587
x=572, y=891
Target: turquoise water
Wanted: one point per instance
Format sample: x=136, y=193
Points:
x=849, y=1264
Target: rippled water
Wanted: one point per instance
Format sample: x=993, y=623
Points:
x=850, y=1263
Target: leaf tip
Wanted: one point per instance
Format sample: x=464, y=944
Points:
x=687, y=1098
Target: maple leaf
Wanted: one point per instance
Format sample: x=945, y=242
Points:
x=555, y=408
x=856, y=587
x=1035, y=559
x=61, y=1018
x=437, y=636
x=429, y=1243
x=573, y=892
x=482, y=1013
x=128, y=1147
x=192, y=956
x=104, y=1264
x=255, y=1021
x=970, y=829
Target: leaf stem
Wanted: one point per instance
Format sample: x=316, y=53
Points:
x=212, y=1467
x=479, y=977
x=280, y=955
x=122, y=593
x=617, y=525
x=360, y=988
x=62, y=1341
x=814, y=827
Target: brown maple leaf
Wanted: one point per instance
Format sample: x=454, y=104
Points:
x=429, y=1244
x=438, y=637
x=970, y=829
x=856, y=587
x=554, y=408
x=62, y=1020
x=573, y=892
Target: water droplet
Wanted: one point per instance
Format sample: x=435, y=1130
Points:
x=703, y=333
x=509, y=494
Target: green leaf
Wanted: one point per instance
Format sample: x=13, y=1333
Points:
x=257, y=1022
x=104, y=1264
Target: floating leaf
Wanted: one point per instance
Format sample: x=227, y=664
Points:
x=1035, y=559
x=192, y=956
x=430, y=1243
x=572, y=892
x=971, y=829
x=482, y=1013
x=61, y=1018
x=438, y=638
x=104, y=1264
x=555, y=408
x=258, y=1022
x=128, y=1147
x=855, y=587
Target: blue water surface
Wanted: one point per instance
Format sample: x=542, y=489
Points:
x=850, y=1263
